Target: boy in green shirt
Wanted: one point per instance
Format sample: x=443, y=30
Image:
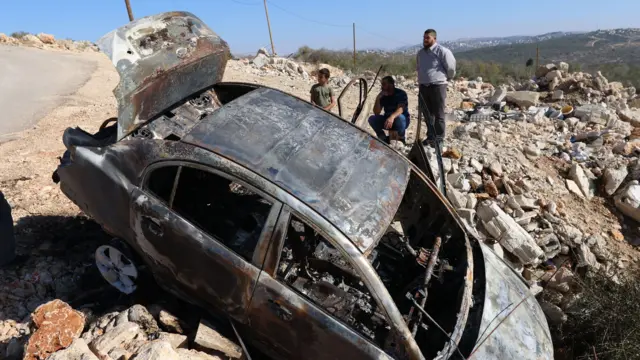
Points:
x=321, y=93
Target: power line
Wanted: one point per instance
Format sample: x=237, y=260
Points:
x=304, y=18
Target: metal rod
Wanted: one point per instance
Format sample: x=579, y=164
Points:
x=423, y=311
x=266, y=12
x=244, y=348
x=427, y=277
x=354, y=45
x=129, y=10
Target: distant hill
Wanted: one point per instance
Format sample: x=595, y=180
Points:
x=479, y=43
x=593, y=48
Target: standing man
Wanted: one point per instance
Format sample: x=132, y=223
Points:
x=395, y=104
x=435, y=67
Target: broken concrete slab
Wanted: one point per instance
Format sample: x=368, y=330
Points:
x=119, y=336
x=526, y=203
x=468, y=215
x=586, y=258
x=628, y=200
x=156, y=350
x=260, y=61
x=543, y=70
x=498, y=95
x=550, y=244
x=632, y=116
x=524, y=99
x=613, y=178
x=457, y=199
x=586, y=186
x=195, y=355
x=209, y=340
x=177, y=341
x=510, y=235
x=77, y=351
x=574, y=188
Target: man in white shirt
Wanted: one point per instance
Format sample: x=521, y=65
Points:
x=436, y=66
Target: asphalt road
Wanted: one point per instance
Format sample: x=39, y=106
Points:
x=33, y=82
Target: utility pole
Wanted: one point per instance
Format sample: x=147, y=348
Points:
x=537, y=57
x=129, y=10
x=266, y=11
x=354, y=45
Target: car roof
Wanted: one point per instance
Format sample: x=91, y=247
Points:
x=346, y=175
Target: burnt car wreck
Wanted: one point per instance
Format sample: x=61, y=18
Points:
x=316, y=239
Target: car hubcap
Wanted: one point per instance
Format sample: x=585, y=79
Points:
x=116, y=268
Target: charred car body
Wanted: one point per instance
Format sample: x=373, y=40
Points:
x=316, y=239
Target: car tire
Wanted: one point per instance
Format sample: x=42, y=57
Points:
x=118, y=267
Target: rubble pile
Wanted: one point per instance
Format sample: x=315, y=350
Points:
x=55, y=331
x=264, y=65
x=527, y=181
x=47, y=41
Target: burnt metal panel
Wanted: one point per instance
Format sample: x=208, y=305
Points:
x=161, y=60
x=513, y=325
x=343, y=173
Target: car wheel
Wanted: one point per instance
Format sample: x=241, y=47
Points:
x=117, y=267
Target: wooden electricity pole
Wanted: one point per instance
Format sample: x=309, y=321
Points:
x=129, y=10
x=266, y=11
x=537, y=57
x=354, y=45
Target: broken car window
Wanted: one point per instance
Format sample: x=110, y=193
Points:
x=228, y=211
x=312, y=267
x=161, y=182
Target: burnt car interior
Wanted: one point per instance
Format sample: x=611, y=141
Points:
x=222, y=208
x=312, y=267
x=415, y=270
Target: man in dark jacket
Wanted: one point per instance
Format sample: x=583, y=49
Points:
x=7, y=241
x=395, y=104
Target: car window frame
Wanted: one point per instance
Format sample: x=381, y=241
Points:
x=266, y=233
x=271, y=266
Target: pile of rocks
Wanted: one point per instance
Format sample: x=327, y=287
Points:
x=55, y=331
x=526, y=183
x=274, y=65
x=47, y=41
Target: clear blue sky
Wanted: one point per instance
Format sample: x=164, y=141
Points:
x=379, y=24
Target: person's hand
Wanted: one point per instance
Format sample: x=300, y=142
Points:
x=389, y=122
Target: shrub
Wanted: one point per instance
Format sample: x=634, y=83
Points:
x=604, y=323
x=19, y=34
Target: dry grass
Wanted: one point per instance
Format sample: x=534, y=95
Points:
x=604, y=323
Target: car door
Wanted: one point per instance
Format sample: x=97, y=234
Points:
x=286, y=323
x=198, y=229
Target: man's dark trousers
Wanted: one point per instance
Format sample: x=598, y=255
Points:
x=435, y=97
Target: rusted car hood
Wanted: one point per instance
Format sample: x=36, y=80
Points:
x=343, y=173
x=161, y=59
